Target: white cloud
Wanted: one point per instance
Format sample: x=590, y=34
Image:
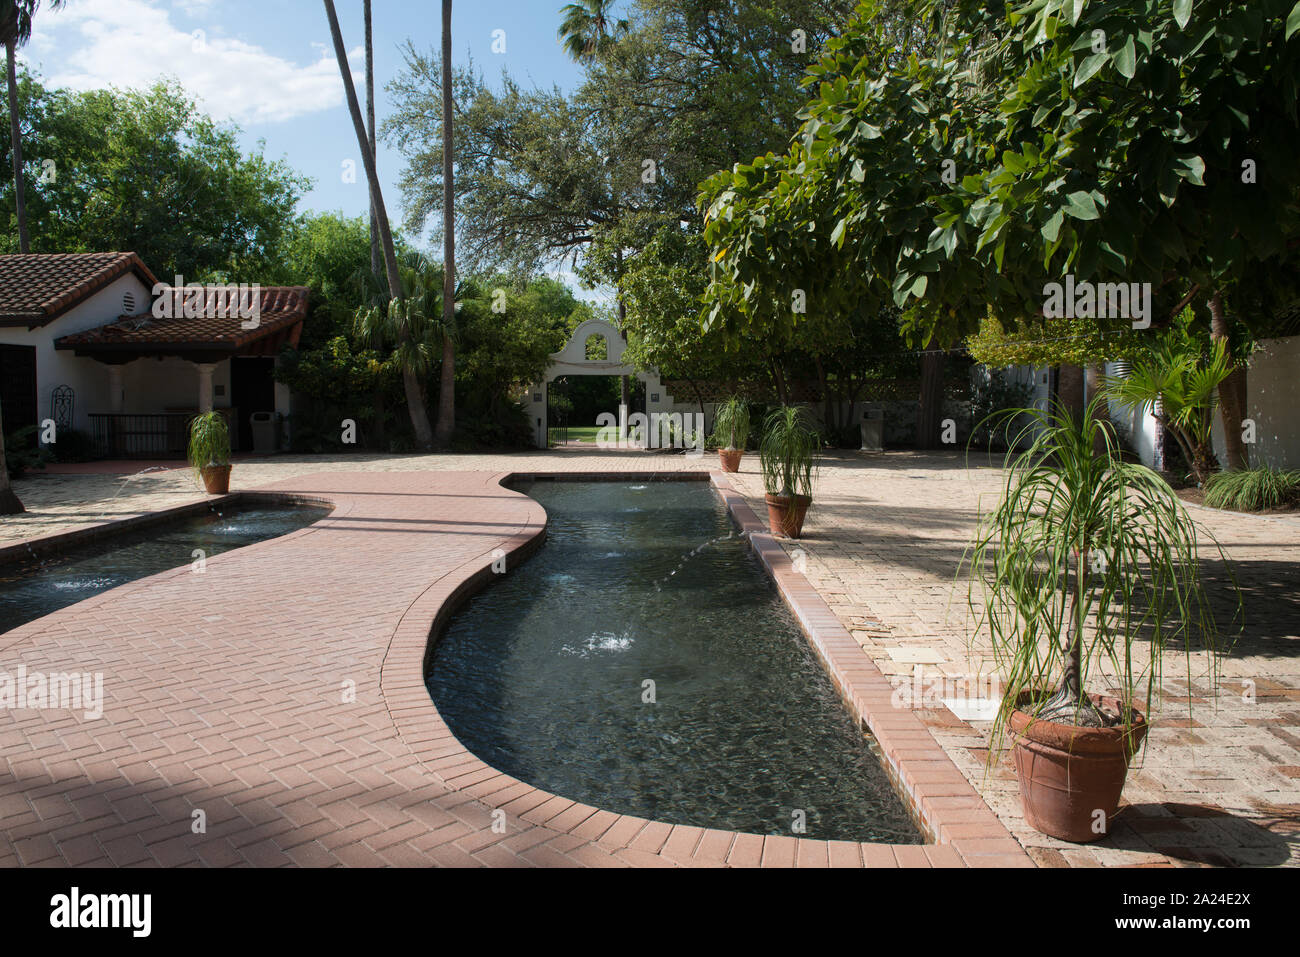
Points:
x=93, y=44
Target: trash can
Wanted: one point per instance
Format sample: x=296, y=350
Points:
x=873, y=429
x=263, y=427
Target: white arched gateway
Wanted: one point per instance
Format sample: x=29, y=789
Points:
x=572, y=360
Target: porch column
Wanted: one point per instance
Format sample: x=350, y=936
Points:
x=205, y=385
x=115, y=388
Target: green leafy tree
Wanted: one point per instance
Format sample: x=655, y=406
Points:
x=147, y=171
x=1117, y=142
x=662, y=290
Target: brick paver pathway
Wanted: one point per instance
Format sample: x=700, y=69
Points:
x=220, y=703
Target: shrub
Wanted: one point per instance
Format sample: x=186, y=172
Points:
x=1254, y=490
x=73, y=446
x=22, y=452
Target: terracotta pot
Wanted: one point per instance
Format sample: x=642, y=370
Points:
x=216, y=479
x=730, y=459
x=785, y=514
x=1067, y=774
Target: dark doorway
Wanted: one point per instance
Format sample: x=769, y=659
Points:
x=252, y=389
x=18, y=401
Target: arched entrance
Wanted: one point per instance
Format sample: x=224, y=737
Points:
x=572, y=361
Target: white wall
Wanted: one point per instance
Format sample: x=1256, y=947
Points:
x=153, y=385
x=88, y=378
x=1273, y=402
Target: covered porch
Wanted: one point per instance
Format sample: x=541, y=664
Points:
x=161, y=372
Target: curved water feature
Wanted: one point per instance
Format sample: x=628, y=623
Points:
x=642, y=662
x=30, y=590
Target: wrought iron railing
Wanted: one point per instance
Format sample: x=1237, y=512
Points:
x=152, y=435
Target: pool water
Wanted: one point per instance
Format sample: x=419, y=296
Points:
x=31, y=590
x=642, y=662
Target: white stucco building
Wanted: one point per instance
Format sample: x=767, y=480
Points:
x=82, y=345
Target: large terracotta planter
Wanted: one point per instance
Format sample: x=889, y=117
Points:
x=785, y=514
x=216, y=479
x=730, y=459
x=1067, y=774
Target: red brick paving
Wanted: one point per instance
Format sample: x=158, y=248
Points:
x=229, y=692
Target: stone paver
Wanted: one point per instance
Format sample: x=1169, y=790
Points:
x=883, y=544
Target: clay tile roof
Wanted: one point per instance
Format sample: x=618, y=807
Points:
x=38, y=287
x=280, y=308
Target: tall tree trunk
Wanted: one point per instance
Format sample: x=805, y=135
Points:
x=1231, y=390
x=1093, y=375
x=410, y=381
x=778, y=379
x=699, y=396
x=447, y=384
x=1069, y=389
x=929, y=410
x=376, y=257
x=9, y=503
x=15, y=139
x=380, y=432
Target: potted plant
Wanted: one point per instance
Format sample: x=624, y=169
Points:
x=787, y=456
x=209, y=451
x=1085, y=557
x=731, y=432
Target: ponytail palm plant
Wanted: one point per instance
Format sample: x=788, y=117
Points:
x=731, y=423
x=788, y=453
x=1086, y=562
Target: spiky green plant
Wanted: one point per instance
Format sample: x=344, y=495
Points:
x=1085, y=557
x=209, y=442
x=731, y=423
x=1177, y=380
x=788, y=453
x=1254, y=490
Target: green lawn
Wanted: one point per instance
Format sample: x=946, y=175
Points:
x=578, y=433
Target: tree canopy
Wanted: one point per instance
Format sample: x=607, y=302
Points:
x=146, y=170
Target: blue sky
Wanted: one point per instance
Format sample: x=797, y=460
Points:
x=268, y=65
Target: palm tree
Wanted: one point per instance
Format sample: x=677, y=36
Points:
x=588, y=28
x=9, y=503
x=16, y=29
x=409, y=328
x=1177, y=381
x=411, y=384
x=447, y=380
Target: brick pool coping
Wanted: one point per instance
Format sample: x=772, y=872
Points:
x=963, y=831
x=246, y=730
